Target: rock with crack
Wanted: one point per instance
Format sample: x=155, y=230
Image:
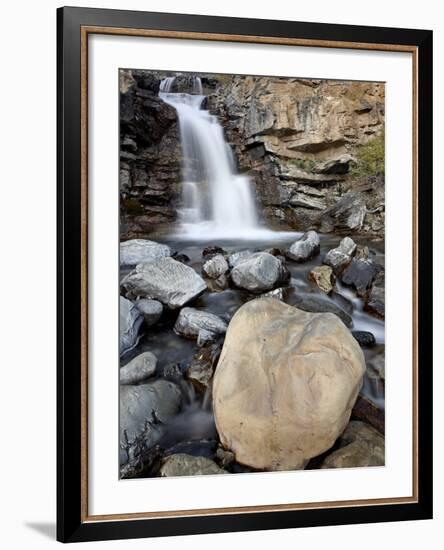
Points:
x=259, y=272
x=338, y=258
x=205, y=326
x=130, y=320
x=143, y=411
x=360, y=446
x=138, y=369
x=171, y=282
x=305, y=248
x=188, y=465
x=136, y=251
x=285, y=384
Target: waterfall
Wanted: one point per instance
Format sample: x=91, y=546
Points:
x=217, y=201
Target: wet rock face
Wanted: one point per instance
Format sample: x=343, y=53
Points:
x=143, y=409
x=285, y=384
x=130, y=320
x=171, y=282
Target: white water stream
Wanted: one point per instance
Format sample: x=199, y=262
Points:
x=217, y=201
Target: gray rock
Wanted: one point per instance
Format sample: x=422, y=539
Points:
x=237, y=257
x=348, y=214
x=130, y=320
x=360, y=274
x=318, y=304
x=277, y=293
x=172, y=283
x=360, y=446
x=143, y=409
x=338, y=258
x=258, y=272
x=215, y=267
x=193, y=323
x=136, y=251
x=305, y=248
x=188, y=465
x=150, y=309
x=138, y=369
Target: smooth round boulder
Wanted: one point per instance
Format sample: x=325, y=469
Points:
x=138, y=369
x=285, y=384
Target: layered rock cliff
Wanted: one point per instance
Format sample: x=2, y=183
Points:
x=314, y=150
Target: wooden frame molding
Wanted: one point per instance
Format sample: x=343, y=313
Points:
x=79, y=24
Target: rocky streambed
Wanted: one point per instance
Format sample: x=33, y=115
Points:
x=242, y=356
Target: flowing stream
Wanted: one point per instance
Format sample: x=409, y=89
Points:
x=217, y=201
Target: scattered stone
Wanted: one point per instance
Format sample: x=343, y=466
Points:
x=224, y=458
x=218, y=285
x=136, y=251
x=360, y=274
x=376, y=366
x=172, y=283
x=305, y=248
x=188, y=465
x=150, y=309
x=237, y=257
x=138, y=369
x=215, y=267
x=323, y=277
x=259, y=272
x=193, y=323
x=285, y=384
x=365, y=339
x=360, y=446
x=318, y=304
x=130, y=320
x=375, y=302
x=200, y=371
x=143, y=410
x=339, y=258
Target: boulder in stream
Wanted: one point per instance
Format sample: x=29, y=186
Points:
x=150, y=309
x=339, y=258
x=259, y=272
x=171, y=282
x=324, y=278
x=285, y=384
x=130, y=320
x=136, y=251
x=193, y=323
x=138, y=369
x=215, y=267
x=305, y=248
x=360, y=274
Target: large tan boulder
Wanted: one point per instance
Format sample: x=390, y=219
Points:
x=285, y=384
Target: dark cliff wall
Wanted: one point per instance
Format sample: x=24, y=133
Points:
x=313, y=149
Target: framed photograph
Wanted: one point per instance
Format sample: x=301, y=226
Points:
x=245, y=269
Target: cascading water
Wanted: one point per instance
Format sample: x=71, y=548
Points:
x=217, y=202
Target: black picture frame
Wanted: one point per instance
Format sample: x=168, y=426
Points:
x=72, y=526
